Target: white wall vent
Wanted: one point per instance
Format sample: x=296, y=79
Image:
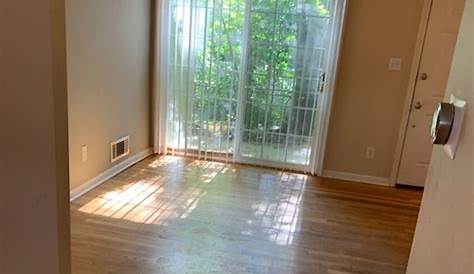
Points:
x=119, y=148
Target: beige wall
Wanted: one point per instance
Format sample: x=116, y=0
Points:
x=34, y=195
x=108, y=80
x=444, y=238
x=369, y=99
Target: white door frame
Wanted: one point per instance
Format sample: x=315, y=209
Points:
x=242, y=93
x=420, y=42
x=160, y=76
x=326, y=102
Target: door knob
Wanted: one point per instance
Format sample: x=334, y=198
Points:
x=418, y=105
x=443, y=119
x=424, y=76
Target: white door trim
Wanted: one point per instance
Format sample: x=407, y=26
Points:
x=420, y=41
x=241, y=90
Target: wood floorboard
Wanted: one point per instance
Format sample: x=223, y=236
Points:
x=178, y=215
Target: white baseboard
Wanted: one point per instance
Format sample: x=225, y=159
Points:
x=353, y=177
x=109, y=173
x=411, y=184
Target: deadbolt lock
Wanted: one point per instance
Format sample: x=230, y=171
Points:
x=418, y=105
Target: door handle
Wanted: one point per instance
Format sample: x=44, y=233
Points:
x=424, y=76
x=322, y=82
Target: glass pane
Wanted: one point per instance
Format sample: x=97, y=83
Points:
x=286, y=48
x=204, y=70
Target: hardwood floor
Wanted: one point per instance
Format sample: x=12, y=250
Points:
x=174, y=215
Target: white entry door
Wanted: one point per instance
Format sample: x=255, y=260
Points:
x=440, y=41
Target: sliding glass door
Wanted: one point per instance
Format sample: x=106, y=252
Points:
x=245, y=78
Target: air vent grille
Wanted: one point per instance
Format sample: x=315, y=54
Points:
x=119, y=148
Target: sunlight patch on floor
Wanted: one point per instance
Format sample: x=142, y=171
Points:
x=164, y=160
x=278, y=219
x=150, y=201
